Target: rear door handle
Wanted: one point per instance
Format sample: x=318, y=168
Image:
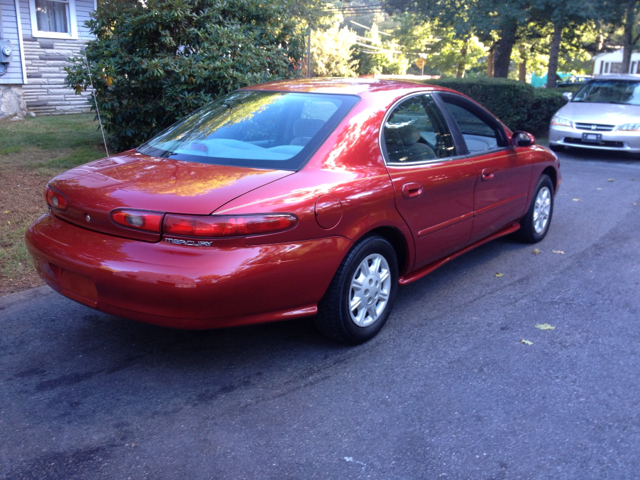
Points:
x=412, y=190
x=487, y=174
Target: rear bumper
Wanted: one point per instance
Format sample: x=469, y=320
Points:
x=182, y=286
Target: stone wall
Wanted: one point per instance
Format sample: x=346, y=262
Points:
x=12, y=104
x=46, y=92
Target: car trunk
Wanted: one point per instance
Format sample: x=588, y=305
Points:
x=136, y=181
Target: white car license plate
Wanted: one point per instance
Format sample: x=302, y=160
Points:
x=592, y=137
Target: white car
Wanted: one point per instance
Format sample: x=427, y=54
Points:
x=603, y=115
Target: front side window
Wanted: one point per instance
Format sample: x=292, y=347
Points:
x=479, y=131
x=272, y=130
x=53, y=18
x=625, y=92
x=415, y=131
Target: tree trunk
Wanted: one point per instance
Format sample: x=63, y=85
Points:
x=502, y=54
x=490, y=64
x=628, y=35
x=462, y=64
x=522, y=71
x=522, y=68
x=553, y=55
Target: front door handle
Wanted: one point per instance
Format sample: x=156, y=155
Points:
x=487, y=174
x=412, y=190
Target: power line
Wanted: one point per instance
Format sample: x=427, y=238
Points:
x=356, y=9
x=369, y=28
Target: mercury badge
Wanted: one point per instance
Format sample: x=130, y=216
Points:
x=190, y=243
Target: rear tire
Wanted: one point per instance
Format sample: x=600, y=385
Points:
x=360, y=297
x=535, y=224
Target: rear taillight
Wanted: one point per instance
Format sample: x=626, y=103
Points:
x=55, y=199
x=138, y=220
x=227, y=225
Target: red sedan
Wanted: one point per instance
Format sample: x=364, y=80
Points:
x=292, y=199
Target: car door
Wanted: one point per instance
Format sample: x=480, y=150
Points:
x=504, y=171
x=433, y=185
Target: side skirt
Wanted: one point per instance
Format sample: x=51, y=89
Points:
x=421, y=272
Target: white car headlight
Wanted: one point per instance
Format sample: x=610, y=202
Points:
x=561, y=122
x=629, y=127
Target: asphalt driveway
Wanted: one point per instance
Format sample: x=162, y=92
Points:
x=447, y=390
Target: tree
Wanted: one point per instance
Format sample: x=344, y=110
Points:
x=631, y=32
x=563, y=15
x=376, y=55
x=154, y=62
x=481, y=18
x=331, y=52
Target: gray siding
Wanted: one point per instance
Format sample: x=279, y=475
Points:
x=46, y=92
x=84, y=9
x=25, y=19
x=10, y=32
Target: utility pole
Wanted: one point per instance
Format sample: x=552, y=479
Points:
x=309, y=53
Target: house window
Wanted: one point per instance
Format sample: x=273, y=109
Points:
x=53, y=18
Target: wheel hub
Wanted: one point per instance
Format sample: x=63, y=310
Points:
x=369, y=290
x=542, y=210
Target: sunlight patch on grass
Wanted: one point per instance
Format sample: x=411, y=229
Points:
x=77, y=157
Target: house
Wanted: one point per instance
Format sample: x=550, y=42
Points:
x=40, y=36
x=612, y=63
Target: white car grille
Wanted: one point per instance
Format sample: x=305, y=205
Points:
x=594, y=127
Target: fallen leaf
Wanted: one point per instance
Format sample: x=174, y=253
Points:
x=598, y=188
x=499, y=275
x=544, y=326
x=6, y=211
x=634, y=203
x=611, y=180
x=526, y=342
x=535, y=251
x=559, y=252
x=632, y=179
x=576, y=199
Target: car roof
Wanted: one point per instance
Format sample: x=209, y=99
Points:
x=344, y=86
x=617, y=76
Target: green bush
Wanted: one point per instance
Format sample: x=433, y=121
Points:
x=519, y=105
x=154, y=62
x=543, y=105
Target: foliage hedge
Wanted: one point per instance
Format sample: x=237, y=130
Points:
x=155, y=61
x=519, y=105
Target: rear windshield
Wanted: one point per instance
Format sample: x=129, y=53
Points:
x=270, y=130
x=625, y=92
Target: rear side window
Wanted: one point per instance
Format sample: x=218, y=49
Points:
x=415, y=131
x=271, y=130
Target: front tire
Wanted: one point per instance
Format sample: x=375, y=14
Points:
x=535, y=224
x=360, y=297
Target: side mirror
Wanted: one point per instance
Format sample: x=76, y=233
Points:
x=567, y=96
x=523, y=139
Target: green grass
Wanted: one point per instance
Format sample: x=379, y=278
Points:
x=50, y=133
x=31, y=152
x=75, y=158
